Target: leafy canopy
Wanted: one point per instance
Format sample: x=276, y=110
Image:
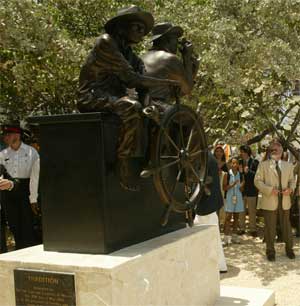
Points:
x=249, y=54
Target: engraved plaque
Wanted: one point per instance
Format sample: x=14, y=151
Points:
x=45, y=288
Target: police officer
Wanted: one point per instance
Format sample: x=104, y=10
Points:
x=22, y=163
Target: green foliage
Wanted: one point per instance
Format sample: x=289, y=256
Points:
x=82, y=18
x=39, y=62
x=249, y=54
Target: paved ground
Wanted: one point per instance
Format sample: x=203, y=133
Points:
x=248, y=267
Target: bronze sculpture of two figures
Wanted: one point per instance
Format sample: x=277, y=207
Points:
x=114, y=79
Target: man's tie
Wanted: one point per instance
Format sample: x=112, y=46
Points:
x=280, y=183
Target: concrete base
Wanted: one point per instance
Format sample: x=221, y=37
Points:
x=179, y=268
x=231, y=296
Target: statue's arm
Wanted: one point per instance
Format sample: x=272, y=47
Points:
x=180, y=73
x=109, y=56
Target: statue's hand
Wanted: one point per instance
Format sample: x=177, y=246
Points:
x=187, y=48
x=195, y=66
x=174, y=83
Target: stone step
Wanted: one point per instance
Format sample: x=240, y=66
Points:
x=232, y=296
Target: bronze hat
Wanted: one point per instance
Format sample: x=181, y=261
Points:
x=128, y=14
x=165, y=28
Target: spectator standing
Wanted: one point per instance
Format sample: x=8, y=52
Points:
x=275, y=180
x=233, y=184
x=22, y=164
x=206, y=212
x=248, y=167
x=219, y=155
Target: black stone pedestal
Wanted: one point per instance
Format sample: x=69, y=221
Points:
x=84, y=208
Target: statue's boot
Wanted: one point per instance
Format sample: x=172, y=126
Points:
x=126, y=177
x=147, y=172
x=189, y=217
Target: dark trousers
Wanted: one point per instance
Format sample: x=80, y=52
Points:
x=19, y=214
x=3, y=246
x=270, y=217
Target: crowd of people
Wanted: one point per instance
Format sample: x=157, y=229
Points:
x=269, y=187
x=241, y=188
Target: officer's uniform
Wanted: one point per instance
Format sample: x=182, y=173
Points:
x=22, y=165
x=3, y=247
x=5, y=175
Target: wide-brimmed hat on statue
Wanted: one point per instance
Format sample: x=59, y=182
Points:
x=165, y=28
x=129, y=14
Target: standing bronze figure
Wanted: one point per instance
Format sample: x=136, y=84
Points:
x=162, y=62
x=180, y=156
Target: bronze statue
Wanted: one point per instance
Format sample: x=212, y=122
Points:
x=112, y=78
x=162, y=62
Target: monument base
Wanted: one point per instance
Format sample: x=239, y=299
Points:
x=179, y=268
x=246, y=296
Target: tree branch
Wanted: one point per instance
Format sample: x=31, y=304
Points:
x=259, y=137
x=294, y=125
x=271, y=129
x=285, y=143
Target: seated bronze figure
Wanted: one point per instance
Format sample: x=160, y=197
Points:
x=114, y=79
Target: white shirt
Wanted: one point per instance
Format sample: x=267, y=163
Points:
x=23, y=163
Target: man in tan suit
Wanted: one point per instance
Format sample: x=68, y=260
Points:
x=275, y=180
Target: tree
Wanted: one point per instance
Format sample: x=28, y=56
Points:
x=249, y=54
x=39, y=62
